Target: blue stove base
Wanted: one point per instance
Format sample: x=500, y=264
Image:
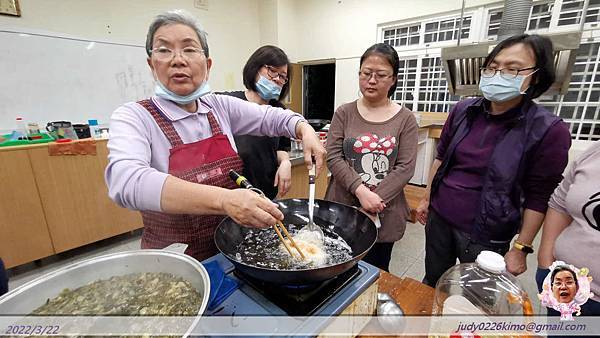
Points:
x=246, y=301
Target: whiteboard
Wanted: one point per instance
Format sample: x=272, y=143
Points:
x=50, y=78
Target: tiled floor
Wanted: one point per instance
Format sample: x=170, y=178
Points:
x=408, y=259
x=27, y=272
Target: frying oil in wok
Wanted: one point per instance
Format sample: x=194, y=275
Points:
x=262, y=248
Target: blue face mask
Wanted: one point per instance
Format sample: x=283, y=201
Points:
x=268, y=90
x=499, y=89
x=163, y=92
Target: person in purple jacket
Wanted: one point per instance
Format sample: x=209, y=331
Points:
x=170, y=155
x=499, y=159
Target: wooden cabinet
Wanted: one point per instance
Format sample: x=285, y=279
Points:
x=75, y=198
x=295, y=96
x=24, y=235
x=299, y=188
x=425, y=155
x=51, y=204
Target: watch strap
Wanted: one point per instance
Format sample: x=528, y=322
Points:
x=523, y=247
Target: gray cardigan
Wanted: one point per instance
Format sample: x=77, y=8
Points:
x=578, y=195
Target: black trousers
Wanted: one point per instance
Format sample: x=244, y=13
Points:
x=380, y=255
x=3, y=279
x=444, y=244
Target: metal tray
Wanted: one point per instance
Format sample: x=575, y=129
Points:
x=26, y=298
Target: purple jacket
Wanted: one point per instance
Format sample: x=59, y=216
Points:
x=493, y=213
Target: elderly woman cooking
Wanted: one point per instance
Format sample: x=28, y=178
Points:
x=170, y=155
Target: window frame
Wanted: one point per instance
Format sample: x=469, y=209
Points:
x=422, y=23
x=573, y=112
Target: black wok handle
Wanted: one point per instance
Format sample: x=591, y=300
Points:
x=240, y=180
x=243, y=182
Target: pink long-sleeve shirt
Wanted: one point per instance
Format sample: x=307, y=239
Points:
x=139, y=151
x=578, y=195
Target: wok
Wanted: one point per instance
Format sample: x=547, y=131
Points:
x=356, y=228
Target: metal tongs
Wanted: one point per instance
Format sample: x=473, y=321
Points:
x=311, y=205
x=242, y=182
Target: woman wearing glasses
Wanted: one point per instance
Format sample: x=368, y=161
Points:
x=564, y=284
x=266, y=161
x=170, y=155
x=497, y=155
x=372, y=146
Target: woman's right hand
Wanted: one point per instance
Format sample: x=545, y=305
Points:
x=247, y=208
x=311, y=146
x=369, y=200
x=423, y=211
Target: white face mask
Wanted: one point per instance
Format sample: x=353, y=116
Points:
x=499, y=89
x=268, y=90
x=163, y=92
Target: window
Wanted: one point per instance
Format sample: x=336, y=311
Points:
x=572, y=10
x=593, y=12
x=433, y=89
x=580, y=106
x=430, y=91
x=540, y=15
x=428, y=32
x=403, y=36
x=407, y=77
x=494, y=19
x=539, y=18
x=445, y=30
x=422, y=83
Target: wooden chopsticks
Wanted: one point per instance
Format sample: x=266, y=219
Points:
x=243, y=182
x=287, y=234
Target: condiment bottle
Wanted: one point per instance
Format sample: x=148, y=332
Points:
x=21, y=127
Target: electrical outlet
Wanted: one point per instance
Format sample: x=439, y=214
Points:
x=201, y=4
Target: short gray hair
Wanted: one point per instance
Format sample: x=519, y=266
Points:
x=177, y=16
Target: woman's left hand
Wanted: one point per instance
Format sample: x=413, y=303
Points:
x=283, y=177
x=312, y=146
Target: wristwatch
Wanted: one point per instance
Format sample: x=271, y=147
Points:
x=526, y=248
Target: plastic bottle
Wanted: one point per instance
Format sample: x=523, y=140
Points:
x=94, y=129
x=33, y=128
x=21, y=127
x=480, y=289
x=500, y=294
x=104, y=134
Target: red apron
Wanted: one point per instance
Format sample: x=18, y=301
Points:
x=206, y=162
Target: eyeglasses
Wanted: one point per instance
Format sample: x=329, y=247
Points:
x=366, y=75
x=568, y=283
x=167, y=54
x=507, y=73
x=273, y=74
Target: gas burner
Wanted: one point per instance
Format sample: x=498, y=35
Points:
x=301, y=300
x=329, y=298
